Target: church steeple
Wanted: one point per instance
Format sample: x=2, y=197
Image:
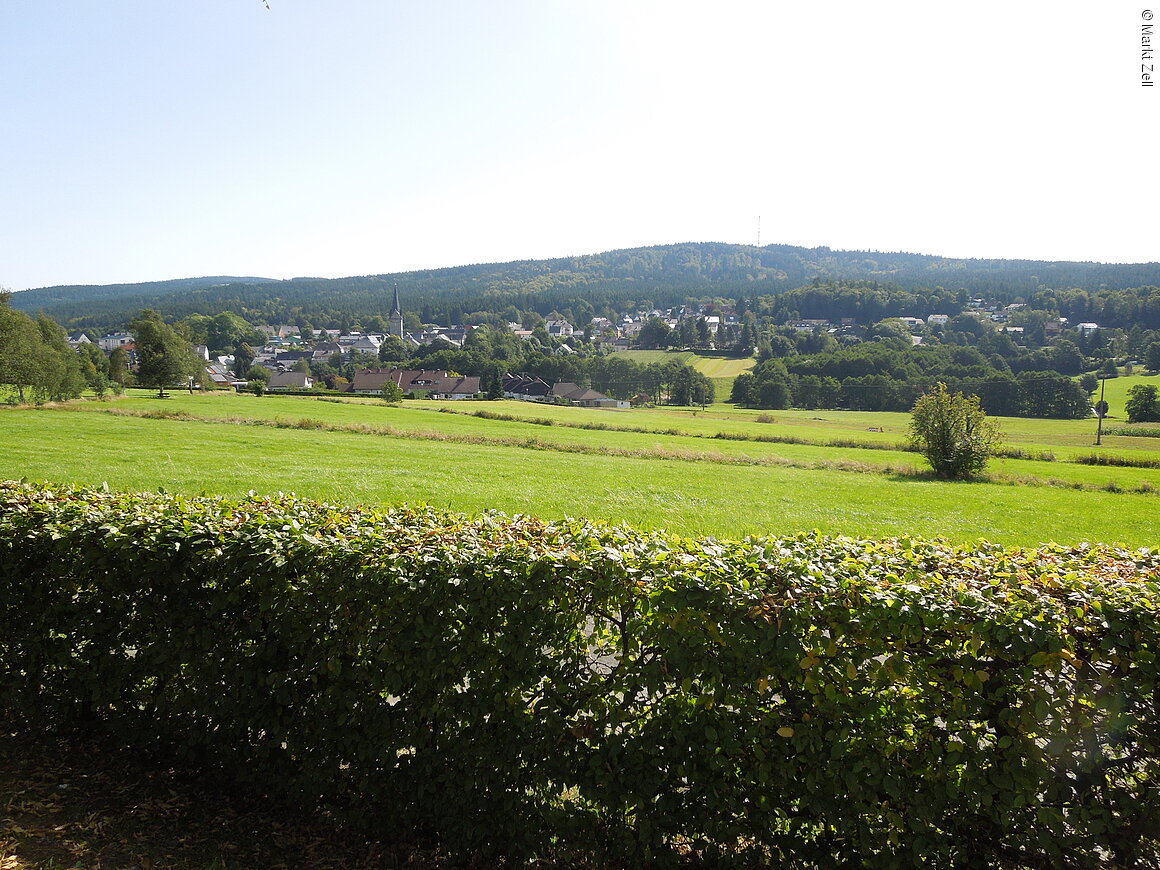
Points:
x=396, y=315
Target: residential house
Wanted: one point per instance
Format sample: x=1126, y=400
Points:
x=584, y=396
x=114, y=340
x=221, y=377
x=559, y=328
x=526, y=388
x=809, y=324
x=289, y=357
x=434, y=384
x=324, y=350
x=600, y=324
x=366, y=344
x=290, y=381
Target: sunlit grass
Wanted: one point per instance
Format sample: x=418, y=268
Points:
x=721, y=369
x=683, y=496
x=695, y=438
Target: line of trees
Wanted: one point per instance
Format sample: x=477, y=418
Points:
x=36, y=362
x=38, y=365
x=894, y=383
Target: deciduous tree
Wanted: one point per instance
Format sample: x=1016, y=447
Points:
x=164, y=358
x=391, y=393
x=953, y=433
x=35, y=358
x=1152, y=356
x=19, y=347
x=1143, y=405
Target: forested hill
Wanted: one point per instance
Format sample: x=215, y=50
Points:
x=653, y=276
x=84, y=294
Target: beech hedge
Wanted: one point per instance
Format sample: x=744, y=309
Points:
x=564, y=690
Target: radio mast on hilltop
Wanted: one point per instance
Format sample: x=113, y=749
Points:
x=759, y=231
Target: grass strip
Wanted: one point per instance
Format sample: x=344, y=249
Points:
x=653, y=453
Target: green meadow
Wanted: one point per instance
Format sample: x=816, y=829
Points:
x=720, y=369
x=677, y=474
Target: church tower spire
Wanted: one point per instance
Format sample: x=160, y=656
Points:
x=396, y=315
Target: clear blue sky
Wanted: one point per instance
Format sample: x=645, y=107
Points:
x=149, y=139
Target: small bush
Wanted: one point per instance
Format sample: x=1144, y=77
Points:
x=953, y=433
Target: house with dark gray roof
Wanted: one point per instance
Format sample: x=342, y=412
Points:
x=434, y=384
x=585, y=397
x=290, y=381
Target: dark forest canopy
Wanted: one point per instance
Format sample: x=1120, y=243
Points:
x=614, y=280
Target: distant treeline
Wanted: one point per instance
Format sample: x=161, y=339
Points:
x=871, y=301
x=889, y=376
x=618, y=280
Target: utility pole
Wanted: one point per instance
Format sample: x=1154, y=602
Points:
x=1101, y=408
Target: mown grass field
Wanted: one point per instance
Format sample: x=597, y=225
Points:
x=720, y=369
x=677, y=476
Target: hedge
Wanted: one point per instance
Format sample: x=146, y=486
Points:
x=570, y=691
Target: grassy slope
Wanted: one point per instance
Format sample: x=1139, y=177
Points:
x=1116, y=393
x=683, y=496
x=423, y=418
x=721, y=370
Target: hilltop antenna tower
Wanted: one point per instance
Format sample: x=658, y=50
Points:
x=759, y=231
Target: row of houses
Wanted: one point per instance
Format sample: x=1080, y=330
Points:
x=528, y=388
x=440, y=384
x=429, y=383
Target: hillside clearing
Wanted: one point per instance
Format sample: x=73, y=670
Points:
x=720, y=369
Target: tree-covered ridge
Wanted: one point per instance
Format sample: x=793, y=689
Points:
x=49, y=297
x=647, y=276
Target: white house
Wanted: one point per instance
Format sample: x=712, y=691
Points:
x=559, y=328
x=114, y=340
x=290, y=381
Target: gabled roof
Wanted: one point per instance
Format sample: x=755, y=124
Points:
x=435, y=381
x=298, y=380
x=219, y=374
x=526, y=385
x=574, y=393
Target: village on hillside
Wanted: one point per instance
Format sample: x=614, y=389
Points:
x=291, y=357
